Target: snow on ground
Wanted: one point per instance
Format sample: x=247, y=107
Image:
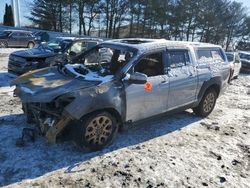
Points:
x=179, y=150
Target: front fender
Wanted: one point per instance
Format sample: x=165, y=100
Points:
x=107, y=95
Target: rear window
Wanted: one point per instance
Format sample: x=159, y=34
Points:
x=209, y=54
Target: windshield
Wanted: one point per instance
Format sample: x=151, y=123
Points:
x=100, y=61
x=230, y=57
x=56, y=45
x=244, y=56
x=4, y=33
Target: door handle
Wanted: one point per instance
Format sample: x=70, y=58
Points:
x=164, y=81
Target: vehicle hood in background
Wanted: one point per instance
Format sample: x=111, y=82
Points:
x=35, y=53
x=46, y=84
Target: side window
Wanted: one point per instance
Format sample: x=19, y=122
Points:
x=178, y=58
x=28, y=35
x=216, y=54
x=22, y=35
x=77, y=48
x=151, y=65
x=91, y=44
x=209, y=55
x=203, y=53
x=15, y=35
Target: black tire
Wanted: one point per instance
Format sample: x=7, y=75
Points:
x=96, y=131
x=30, y=45
x=3, y=44
x=206, y=104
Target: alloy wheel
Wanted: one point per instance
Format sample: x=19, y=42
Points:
x=99, y=130
x=209, y=102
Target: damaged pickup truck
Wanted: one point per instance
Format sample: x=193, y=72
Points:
x=119, y=82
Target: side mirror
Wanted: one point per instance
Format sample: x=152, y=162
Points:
x=137, y=78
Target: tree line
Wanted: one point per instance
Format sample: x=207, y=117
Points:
x=215, y=21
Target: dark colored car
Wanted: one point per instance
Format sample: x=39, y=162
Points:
x=16, y=38
x=245, y=61
x=44, y=55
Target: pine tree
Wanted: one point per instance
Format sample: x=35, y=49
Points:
x=8, y=18
x=11, y=17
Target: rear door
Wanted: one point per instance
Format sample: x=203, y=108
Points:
x=23, y=39
x=182, y=77
x=146, y=100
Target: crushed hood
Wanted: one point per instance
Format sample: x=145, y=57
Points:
x=46, y=84
x=35, y=53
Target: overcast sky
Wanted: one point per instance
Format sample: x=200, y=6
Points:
x=25, y=4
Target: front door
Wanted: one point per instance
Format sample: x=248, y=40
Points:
x=182, y=77
x=146, y=100
x=14, y=39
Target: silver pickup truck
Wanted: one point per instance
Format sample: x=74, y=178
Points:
x=119, y=82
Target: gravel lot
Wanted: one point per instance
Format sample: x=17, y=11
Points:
x=179, y=150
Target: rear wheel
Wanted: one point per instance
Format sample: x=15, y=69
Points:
x=96, y=131
x=207, y=103
x=3, y=44
x=31, y=45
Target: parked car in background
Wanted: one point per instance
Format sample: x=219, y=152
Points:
x=93, y=97
x=16, y=38
x=235, y=64
x=41, y=36
x=44, y=55
x=245, y=61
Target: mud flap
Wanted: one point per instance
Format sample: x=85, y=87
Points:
x=54, y=130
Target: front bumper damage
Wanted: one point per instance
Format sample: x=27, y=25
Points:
x=49, y=122
x=54, y=130
x=54, y=101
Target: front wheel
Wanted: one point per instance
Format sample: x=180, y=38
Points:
x=96, y=131
x=206, y=104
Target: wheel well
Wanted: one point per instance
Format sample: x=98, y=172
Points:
x=67, y=130
x=112, y=111
x=30, y=42
x=216, y=87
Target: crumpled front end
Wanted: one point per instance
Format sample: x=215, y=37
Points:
x=45, y=94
